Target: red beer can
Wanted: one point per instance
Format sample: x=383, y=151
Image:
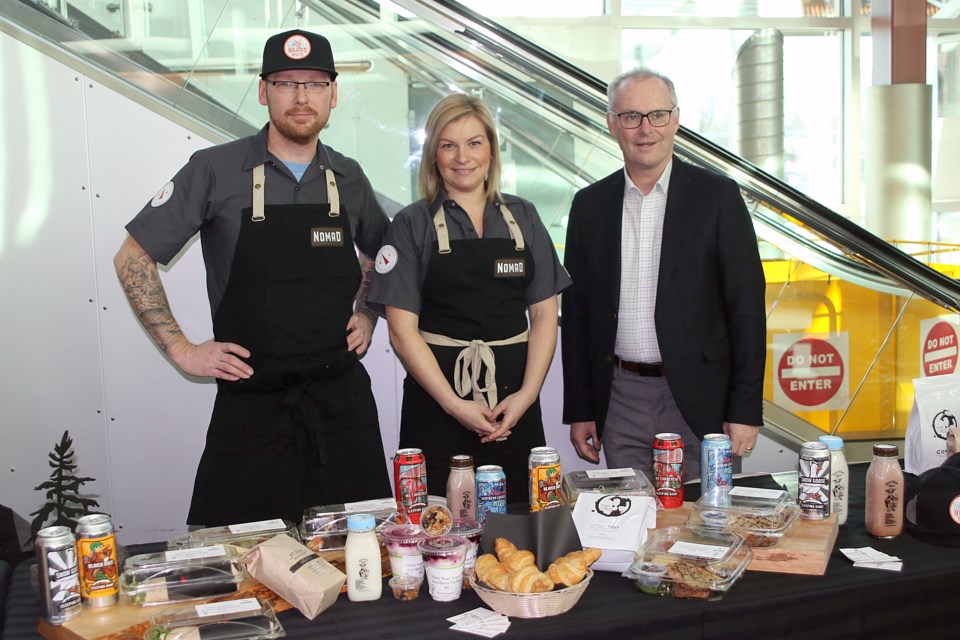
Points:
x=668, y=469
x=410, y=483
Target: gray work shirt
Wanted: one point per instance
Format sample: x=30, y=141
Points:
x=414, y=238
x=211, y=191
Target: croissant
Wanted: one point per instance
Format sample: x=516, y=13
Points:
x=502, y=544
x=572, y=568
x=493, y=573
x=530, y=580
x=517, y=559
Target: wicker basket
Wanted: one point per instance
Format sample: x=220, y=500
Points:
x=531, y=605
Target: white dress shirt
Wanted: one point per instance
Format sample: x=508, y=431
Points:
x=641, y=234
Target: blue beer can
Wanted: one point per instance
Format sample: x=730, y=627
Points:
x=716, y=462
x=491, y=491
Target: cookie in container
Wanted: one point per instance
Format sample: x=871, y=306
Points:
x=246, y=619
x=760, y=516
x=683, y=563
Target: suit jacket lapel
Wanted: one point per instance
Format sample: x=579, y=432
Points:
x=675, y=217
x=612, y=208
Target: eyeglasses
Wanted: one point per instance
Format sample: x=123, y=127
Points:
x=289, y=86
x=633, y=119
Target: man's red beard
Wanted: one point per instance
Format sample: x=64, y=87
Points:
x=301, y=133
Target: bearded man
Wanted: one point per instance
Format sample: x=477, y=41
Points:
x=281, y=218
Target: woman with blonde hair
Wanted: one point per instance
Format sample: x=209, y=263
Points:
x=460, y=273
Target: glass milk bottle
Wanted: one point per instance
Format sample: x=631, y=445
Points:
x=362, y=551
x=462, y=488
x=883, y=513
x=839, y=476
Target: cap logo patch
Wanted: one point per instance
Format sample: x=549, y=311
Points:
x=296, y=47
x=163, y=195
x=955, y=509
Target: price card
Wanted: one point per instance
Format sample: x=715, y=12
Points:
x=697, y=550
x=230, y=606
x=214, y=551
x=253, y=527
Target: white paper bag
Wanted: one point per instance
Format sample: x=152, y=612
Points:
x=936, y=410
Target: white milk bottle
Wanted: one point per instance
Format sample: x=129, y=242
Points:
x=362, y=551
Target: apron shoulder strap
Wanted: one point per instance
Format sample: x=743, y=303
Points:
x=258, y=183
x=512, y=225
x=440, y=224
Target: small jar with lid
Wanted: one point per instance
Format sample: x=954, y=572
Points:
x=883, y=513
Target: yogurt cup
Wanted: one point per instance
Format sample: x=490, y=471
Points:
x=443, y=558
x=401, y=541
x=471, y=530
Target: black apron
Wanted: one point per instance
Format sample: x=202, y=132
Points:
x=464, y=298
x=303, y=430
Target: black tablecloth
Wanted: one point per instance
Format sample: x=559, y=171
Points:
x=919, y=602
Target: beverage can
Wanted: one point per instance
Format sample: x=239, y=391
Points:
x=491, y=491
x=813, y=481
x=97, y=553
x=543, y=471
x=716, y=462
x=410, y=483
x=58, y=573
x=668, y=469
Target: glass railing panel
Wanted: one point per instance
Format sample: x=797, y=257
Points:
x=732, y=8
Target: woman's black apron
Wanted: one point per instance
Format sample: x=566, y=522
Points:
x=303, y=430
x=474, y=291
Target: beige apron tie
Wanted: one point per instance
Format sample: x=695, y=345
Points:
x=259, y=179
x=443, y=236
x=466, y=372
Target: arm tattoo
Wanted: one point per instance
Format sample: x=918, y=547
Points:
x=141, y=282
x=366, y=278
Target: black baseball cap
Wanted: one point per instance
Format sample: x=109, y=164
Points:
x=295, y=50
x=932, y=504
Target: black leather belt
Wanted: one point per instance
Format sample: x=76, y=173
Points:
x=640, y=368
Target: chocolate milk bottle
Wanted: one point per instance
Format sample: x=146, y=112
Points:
x=883, y=514
x=462, y=488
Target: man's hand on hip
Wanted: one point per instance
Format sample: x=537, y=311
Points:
x=216, y=359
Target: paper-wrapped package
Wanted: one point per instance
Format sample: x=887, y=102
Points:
x=296, y=574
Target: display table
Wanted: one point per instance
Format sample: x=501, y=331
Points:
x=919, y=602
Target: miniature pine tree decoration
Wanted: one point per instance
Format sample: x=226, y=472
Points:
x=62, y=491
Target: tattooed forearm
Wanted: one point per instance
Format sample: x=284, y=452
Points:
x=366, y=278
x=141, y=282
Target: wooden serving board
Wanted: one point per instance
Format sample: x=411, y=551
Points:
x=124, y=621
x=804, y=549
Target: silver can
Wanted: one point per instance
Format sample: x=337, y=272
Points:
x=813, y=481
x=59, y=576
x=98, y=560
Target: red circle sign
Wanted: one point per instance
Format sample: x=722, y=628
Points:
x=810, y=372
x=940, y=350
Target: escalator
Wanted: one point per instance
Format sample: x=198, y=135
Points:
x=850, y=317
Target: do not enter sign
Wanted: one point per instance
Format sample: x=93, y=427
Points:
x=810, y=372
x=940, y=349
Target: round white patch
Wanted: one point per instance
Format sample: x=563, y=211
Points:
x=386, y=259
x=163, y=195
x=296, y=47
x=955, y=509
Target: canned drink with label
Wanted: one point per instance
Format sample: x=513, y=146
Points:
x=410, y=482
x=716, y=462
x=543, y=470
x=813, y=481
x=491, y=491
x=668, y=469
x=58, y=574
x=97, y=553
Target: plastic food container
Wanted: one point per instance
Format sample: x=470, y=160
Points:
x=625, y=482
x=471, y=530
x=405, y=588
x=760, y=516
x=325, y=528
x=443, y=558
x=246, y=535
x=175, y=576
x=230, y=620
x=683, y=563
x=401, y=541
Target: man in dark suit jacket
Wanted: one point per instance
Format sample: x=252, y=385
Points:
x=664, y=327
